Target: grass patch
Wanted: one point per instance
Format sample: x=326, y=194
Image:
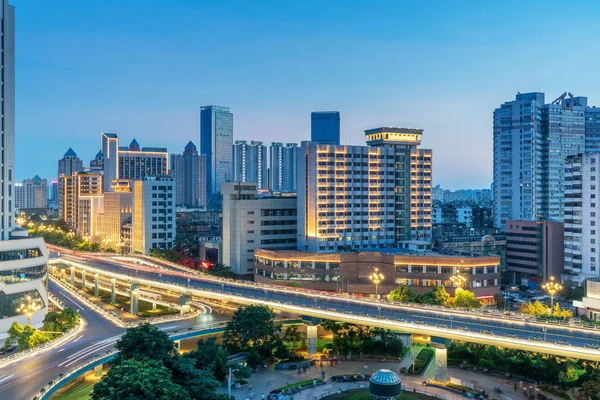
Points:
x=363, y=394
x=421, y=361
x=121, y=301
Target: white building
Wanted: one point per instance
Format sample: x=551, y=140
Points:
x=582, y=211
x=436, y=215
x=282, y=164
x=251, y=221
x=250, y=163
x=464, y=215
x=31, y=193
x=153, y=222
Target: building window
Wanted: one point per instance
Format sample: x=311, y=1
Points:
x=592, y=214
x=250, y=232
x=249, y=241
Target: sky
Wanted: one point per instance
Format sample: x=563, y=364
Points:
x=143, y=68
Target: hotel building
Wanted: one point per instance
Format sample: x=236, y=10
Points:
x=78, y=186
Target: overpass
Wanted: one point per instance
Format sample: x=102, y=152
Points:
x=441, y=323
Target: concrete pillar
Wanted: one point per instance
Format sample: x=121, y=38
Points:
x=311, y=335
x=441, y=358
x=98, y=370
x=73, y=276
x=135, y=293
x=113, y=296
x=82, y=279
x=185, y=301
x=153, y=306
x=177, y=344
x=96, y=289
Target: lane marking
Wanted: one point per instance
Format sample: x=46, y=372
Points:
x=6, y=378
x=73, y=301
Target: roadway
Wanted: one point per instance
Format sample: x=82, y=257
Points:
x=24, y=378
x=475, y=326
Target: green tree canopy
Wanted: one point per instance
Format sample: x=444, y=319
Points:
x=440, y=296
x=405, y=294
x=198, y=383
x=144, y=341
x=24, y=337
x=252, y=326
x=292, y=335
x=465, y=299
x=14, y=332
x=591, y=389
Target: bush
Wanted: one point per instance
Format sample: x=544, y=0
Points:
x=421, y=361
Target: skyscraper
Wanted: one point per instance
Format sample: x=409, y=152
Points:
x=97, y=164
x=31, y=193
x=282, y=164
x=325, y=127
x=250, y=163
x=216, y=141
x=531, y=141
x=189, y=173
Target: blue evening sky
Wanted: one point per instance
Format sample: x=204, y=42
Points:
x=142, y=68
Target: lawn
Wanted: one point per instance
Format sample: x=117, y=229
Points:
x=421, y=361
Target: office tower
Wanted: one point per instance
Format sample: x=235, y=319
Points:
x=582, y=222
x=534, y=251
x=252, y=221
x=72, y=188
x=97, y=164
x=118, y=210
x=531, y=141
x=216, y=141
x=31, y=193
x=153, y=222
x=345, y=197
x=282, y=166
x=131, y=162
x=189, y=173
x=325, y=127
x=412, y=180
x=250, y=163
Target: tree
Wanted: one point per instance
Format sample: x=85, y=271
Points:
x=219, y=366
x=144, y=341
x=254, y=359
x=37, y=338
x=198, y=383
x=252, y=326
x=560, y=313
x=465, y=299
x=292, y=336
x=14, y=332
x=24, y=337
x=591, y=389
x=440, y=296
x=500, y=301
x=139, y=379
x=404, y=294
x=206, y=352
x=221, y=270
x=61, y=321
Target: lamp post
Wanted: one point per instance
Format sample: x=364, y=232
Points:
x=29, y=308
x=458, y=279
x=552, y=287
x=229, y=381
x=376, y=277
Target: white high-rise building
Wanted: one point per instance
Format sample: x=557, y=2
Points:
x=250, y=163
x=31, y=193
x=282, y=163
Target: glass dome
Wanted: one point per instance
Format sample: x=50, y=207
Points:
x=385, y=377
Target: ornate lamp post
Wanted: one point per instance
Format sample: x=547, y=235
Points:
x=29, y=308
x=458, y=279
x=552, y=287
x=376, y=277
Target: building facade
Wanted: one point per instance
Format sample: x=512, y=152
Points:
x=117, y=212
x=97, y=164
x=349, y=271
x=31, y=193
x=531, y=141
x=189, y=173
x=153, y=222
x=216, y=141
x=282, y=164
x=250, y=163
x=251, y=221
x=534, y=251
x=325, y=127
x=74, y=187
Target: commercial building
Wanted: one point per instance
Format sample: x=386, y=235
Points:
x=325, y=127
x=349, y=271
x=282, y=164
x=73, y=187
x=97, y=164
x=189, y=173
x=589, y=305
x=582, y=217
x=118, y=211
x=153, y=222
x=67, y=165
x=216, y=141
x=534, y=251
x=23, y=261
x=531, y=141
x=31, y=193
x=251, y=221
x=132, y=162
x=250, y=163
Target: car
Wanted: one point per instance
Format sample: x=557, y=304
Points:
x=510, y=335
x=400, y=319
x=562, y=343
x=442, y=325
x=419, y=322
x=592, y=346
x=486, y=332
x=380, y=317
x=463, y=328
x=536, y=338
x=332, y=309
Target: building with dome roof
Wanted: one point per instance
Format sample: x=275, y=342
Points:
x=385, y=384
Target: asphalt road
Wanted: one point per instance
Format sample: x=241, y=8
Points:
x=23, y=379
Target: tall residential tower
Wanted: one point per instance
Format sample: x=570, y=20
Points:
x=250, y=163
x=216, y=141
x=282, y=164
x=189, y=173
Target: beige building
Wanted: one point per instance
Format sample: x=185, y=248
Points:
x=118, y=209
x=251, y=221
x=75, y=186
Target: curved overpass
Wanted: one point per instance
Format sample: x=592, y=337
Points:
x=471, y=326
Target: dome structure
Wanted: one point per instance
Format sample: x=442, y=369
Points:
x=385, y=384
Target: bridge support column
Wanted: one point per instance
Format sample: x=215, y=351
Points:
x=82, y=279
x=113, y=296
x=177, y=344
x=311, y=339
x=73, y=276
x=96, y=290
x=441, y=358
x=98, y=370
x=135, y=293
x=153, y=306
x=184, y=302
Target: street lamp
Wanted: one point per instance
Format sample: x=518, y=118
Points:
x=458, y=279
x=552, y=287
x=29, y=308
x=229, y=381
x=376, y=277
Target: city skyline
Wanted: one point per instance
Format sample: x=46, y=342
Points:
x=82, y=71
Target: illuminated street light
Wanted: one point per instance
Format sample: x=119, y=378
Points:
x=552, y=287
x=458, y=279
x=29, y=308
x=376, y=277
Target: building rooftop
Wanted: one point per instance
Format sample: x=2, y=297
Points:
x=391, y=129
x=110, y=135
x=70, y=153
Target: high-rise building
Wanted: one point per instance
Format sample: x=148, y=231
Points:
x=153, y=222
x=67, y=165
x=253, y=221
x=250, y=163
x=437, y=193
x=582, y=217
x=73, y=187
x=31, y=193
x=411, y=180
x=216, y=141
x=97, y=164
x=131, y=162
x=531, y=141
x=189, y=173
x=325, y=127
x=53, y=193
x=282, y=166
x=118, y=209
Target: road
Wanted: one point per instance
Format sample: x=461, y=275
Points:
x=476, y=326
x=23, y=379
